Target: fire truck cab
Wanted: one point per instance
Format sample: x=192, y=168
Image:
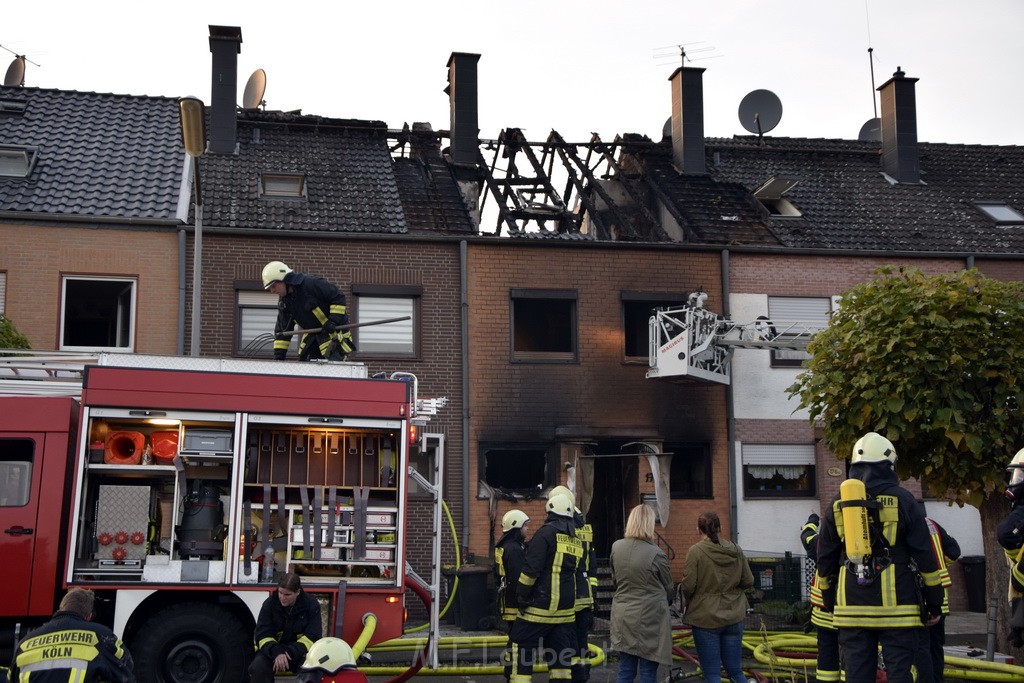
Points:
x=180, y=489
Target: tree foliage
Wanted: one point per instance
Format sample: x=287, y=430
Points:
x=10, y=337
x=934, y=364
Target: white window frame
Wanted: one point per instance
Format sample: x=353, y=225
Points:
x=780, y=457
x=392, y=340
x=126, y=314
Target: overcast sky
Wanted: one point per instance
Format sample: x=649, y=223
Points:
x=575, y=66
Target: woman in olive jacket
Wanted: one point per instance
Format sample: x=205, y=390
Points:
x=641, y=631
x=717, y=574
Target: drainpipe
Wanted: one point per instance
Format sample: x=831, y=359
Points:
x=970, y=261
x=730, y=413
x=182, y=290
x=464, y=323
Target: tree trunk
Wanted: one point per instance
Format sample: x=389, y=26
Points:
x=997, y=573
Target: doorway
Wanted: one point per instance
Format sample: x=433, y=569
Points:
x=616, y=490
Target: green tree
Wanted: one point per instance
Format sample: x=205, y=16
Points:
x=10, y=337
x=934, y=364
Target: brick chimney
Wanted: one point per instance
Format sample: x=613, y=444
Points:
x=688, y=119
x=225, y=44
x=462, y=99
x=899, y=128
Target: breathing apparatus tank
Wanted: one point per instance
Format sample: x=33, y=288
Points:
x=856, y=527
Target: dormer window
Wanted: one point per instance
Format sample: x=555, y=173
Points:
x=16, y=162
x=1002, y=214
x=771, y=192
x=283, y=185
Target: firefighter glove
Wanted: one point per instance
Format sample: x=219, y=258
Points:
x=279, y=354
x=329, y=327
x=814, y=518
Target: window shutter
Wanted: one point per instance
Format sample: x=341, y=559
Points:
x=778, y=454
x=786, y=309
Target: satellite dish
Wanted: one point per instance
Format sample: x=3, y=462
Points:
x=760, y=111
x=15, y=73
x=254, y=89
x=666, y=130
x=871, y=131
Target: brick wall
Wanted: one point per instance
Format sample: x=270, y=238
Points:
x=36, y=257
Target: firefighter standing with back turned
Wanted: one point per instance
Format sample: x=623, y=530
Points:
x=872, y=536
x=1010, y=533
x=827, y=636
x=310, y=302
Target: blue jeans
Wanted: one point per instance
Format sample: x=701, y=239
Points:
x=628, y=665
x=718, y=647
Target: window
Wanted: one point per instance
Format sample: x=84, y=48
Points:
x=543, y=325
x=15, y=471
x=690, y=475
x=283, y=185
x=384, y=302
x=1001, y=213
x=784, y=311
x=771, y=192
x=257, y=314
x=515, y=467
x=637, y=308
x=778, y=470
x=16, y=162
x=98, y=313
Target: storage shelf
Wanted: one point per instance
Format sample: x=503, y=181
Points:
x=155, y=470
x=355, y=563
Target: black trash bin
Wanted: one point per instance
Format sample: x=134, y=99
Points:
x=472, y=598
x=974, y=581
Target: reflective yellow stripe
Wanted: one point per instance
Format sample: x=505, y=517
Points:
x=337, y=309
x=559, y=674
x=319, y=315
x=304, y=641
x=282, y=344
x=263, y=642
x=527, y=580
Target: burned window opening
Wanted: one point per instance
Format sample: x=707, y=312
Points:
x=544, y=326
x=514, y=469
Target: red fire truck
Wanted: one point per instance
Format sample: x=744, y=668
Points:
x=178, y=489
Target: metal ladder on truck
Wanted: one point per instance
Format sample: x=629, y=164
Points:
x=692, y=342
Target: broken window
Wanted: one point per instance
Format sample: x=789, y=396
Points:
x=637, y=308
x=97, y=313
x=778, y=470
x=690, y=474
x=514, y=467
x=543, y=325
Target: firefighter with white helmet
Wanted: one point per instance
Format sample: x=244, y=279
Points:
x=509, y=557
x=330, y=660
x=1010, y=533
x=874, y=548
x=547, y=595
x=309, y=303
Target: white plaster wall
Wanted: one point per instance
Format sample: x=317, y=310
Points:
x=963, y=524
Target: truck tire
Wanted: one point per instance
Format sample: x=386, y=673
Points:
x=194, y=642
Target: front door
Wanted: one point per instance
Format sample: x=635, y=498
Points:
x=616, y=491
x=19, y=507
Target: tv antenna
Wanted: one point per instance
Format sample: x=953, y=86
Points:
x=15, y=76
x=255, y=88
x=681, y=53
x=760, y=111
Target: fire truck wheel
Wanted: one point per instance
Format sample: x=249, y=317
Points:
x=192, y=643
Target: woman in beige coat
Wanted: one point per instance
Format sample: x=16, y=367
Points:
x=641, y=631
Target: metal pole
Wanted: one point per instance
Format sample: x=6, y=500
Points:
x=197, y=260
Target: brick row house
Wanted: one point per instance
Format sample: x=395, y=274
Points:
x=529, y=303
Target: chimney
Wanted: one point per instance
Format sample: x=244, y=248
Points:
x=688, y=119
x=225, y=44
x=899, y=129
x=462, y=99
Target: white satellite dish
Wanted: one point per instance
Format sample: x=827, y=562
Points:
x=871, y=131
x=760, y=111
x=255, y=87
x=15, y=73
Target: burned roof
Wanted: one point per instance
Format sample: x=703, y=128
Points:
x=86, y=155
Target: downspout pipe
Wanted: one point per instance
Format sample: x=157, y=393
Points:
x=730, y=412
x=182, y=292
x=464, y=322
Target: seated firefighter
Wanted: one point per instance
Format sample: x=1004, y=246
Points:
x=330, y=660
x=287, y=627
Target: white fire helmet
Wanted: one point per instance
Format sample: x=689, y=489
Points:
x=873, y=447
x=1016, y=469
x=564, y=491
x=561, y=505
x=274, y=272
x=514, y=519
x=329, y=655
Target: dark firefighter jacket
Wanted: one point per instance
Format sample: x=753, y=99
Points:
x=1010, y=533
x=586, y=578
x=547, y=584
x=946, y=549
x=288, y=630
x=509, y=558
x=310, y=303
x=809, y=539
x=892, y=599
x=69, y=648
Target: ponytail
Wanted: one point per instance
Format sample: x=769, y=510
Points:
x=709, y=525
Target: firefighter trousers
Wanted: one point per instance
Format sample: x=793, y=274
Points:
x=860, y=653
x=828, y=655
x=533, y=642
x=581, y=662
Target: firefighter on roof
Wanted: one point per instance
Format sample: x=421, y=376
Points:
x=872, y=536
x=827, y=635
x=311, y=303
x=70, y=647
x=547, y=595
x=1010, y=533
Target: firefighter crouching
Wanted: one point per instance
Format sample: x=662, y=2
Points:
x=70, y=647
x=826, y=634
x=879, y=576
x=1010, y=533
x=547, y=596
